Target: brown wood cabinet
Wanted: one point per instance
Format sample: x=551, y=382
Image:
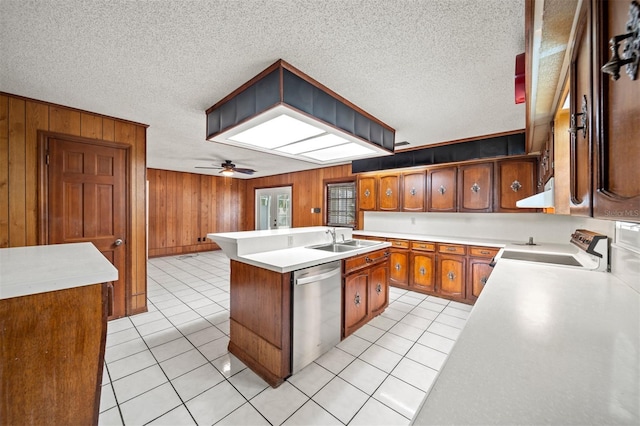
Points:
x=479, y=270
x=616, y=190
x=399, y=263
x=413, y=191
x=365, y=289
x=367, y=193
x=475, y=187
x=389, y=192
x=581, y=115
x=451, y=276
x=442, y=189
x=52, y=355
x=515, y=180
x=423, y=268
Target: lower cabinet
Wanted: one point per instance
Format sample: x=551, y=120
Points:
x=399, y=263
x=479, y=270
x=365, y=289
x=451, y=276
x=423, y=266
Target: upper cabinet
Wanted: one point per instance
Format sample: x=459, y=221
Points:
x=367, y=192
x=413, y=191
x=616, y=186
x=475, y=187
x=389, y=195
x=599, y=70
x=442, y=189
x=515, y=180
x=581, y=106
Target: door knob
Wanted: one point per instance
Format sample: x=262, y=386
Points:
x=118, y=242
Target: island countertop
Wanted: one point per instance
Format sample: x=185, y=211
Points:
x=543, y=345
x=40, y=269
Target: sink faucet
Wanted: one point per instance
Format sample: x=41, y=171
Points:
x=333, y=235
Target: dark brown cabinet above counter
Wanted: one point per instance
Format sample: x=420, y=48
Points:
x=474, y=186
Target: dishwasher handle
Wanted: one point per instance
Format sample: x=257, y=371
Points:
x=318, y=277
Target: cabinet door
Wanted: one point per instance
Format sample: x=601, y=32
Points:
x=479, y=271
x=356, y=306
x=423, y=268
x=581, y=108
x=389, y=195
x=442, y=190
x=516, y=180
x=617, y=172
x=413, y=191
x=451, y=276
x=378, y=289
x=475, y=188
x=367, y=193
x=399, y=268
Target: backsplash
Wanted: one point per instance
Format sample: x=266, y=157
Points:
x=500, y=226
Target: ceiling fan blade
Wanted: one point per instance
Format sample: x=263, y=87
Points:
x=245, y=171
x=207, y=167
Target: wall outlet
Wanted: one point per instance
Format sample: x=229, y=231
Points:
x=413, y=220
x=290, y=240
x=315, y=209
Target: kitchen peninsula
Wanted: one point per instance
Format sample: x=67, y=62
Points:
x=53, y=324
x=263, y=264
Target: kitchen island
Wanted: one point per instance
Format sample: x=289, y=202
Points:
x=53, y=324
x=261, y=290
x=543, y=345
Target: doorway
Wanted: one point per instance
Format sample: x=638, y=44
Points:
x=84, y=195
x=273, y=208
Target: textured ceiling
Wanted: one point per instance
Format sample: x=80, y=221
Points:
x=435, y=70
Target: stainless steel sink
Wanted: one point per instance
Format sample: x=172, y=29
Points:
x=338, y=248
x=343, y=246
x=359, y=243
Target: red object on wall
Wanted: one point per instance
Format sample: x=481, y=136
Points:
x=520, y=81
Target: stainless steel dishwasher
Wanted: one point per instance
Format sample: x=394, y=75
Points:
x=317, y=300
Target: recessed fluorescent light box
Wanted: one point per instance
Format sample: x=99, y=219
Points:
x=283, y=111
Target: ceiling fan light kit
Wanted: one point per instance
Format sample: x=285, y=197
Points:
x=228, y=168
x=283, y=111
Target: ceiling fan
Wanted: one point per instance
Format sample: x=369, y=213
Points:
x=228, y=168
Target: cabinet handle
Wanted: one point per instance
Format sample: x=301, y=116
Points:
x=631, y=50
x=388, y=192
x=356, y=299
x=475, y=188
x=451, y=249
x=370, y=260
x=398, y=267
x=583, y=119
x=515, y=186
x=413, y=191
x=423, y=271
x=442, y=190
x=483, y=280
x=484, y=252
x=451, y=276
x=379, y=288
x=367, y=192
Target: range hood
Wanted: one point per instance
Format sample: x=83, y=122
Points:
x=544, y=199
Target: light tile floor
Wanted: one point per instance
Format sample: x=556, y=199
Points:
x=170, y=366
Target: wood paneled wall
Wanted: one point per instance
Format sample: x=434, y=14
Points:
x=307, y=192
x=185, y=207
x=20, y=120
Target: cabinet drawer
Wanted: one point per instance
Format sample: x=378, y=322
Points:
x=403, y=244
x=357, y=262
x=483, y=251
x=452, y=249
x=423, y=246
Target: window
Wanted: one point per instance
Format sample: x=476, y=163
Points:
x=341, y=204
